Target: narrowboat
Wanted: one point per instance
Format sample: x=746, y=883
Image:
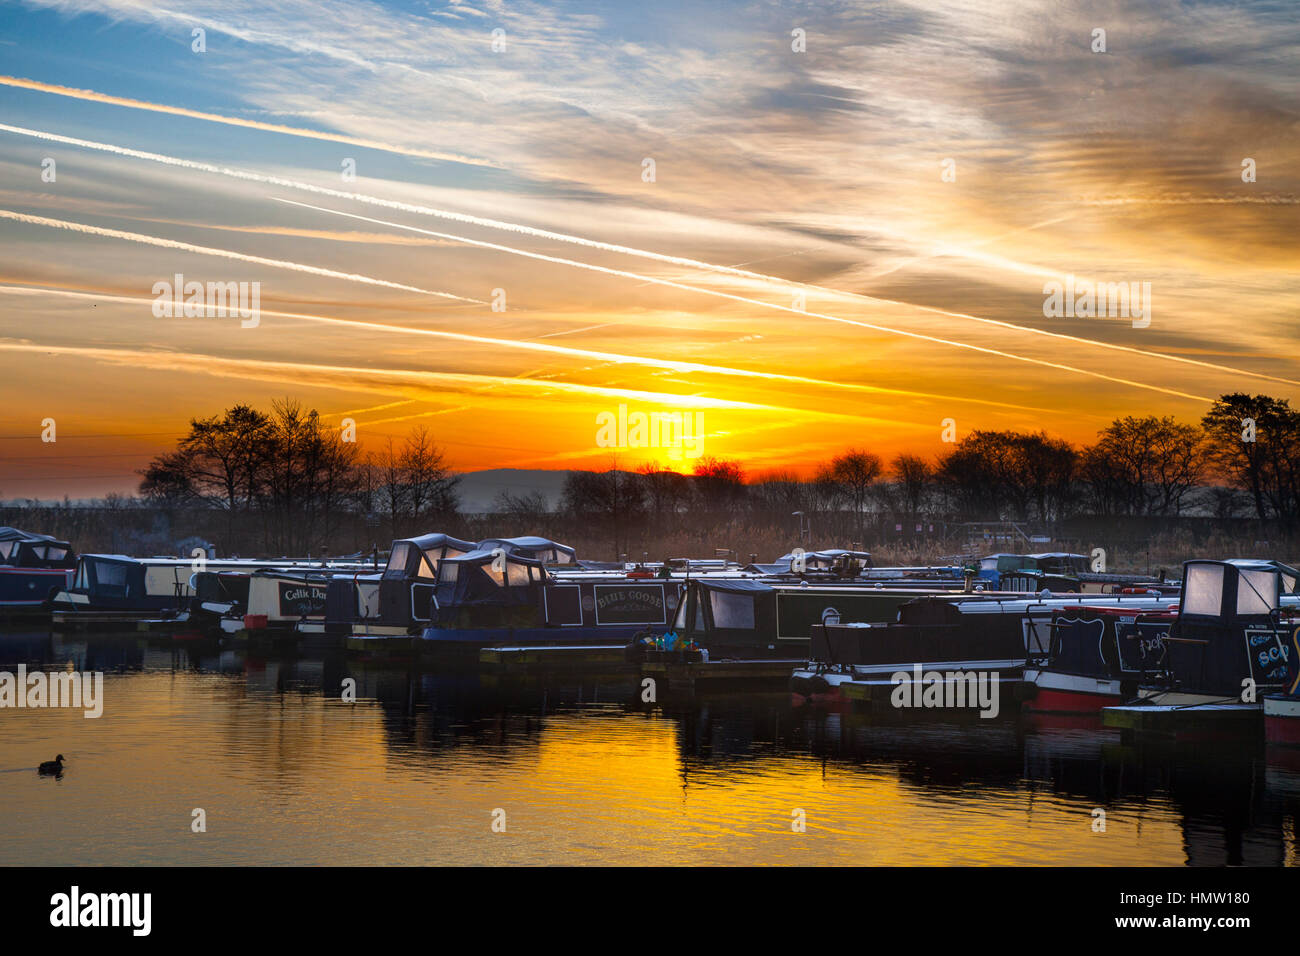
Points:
x=1228, y=648
x=351, y=602
x=32, y=566
x=1055, y=572
x=280, y=599
x=995, y=633
x=755, y=618
x=1098, y=657
x=833, y=561
x=842, y=564
x=408, y=581
x=492, y=597
x=1282, y=711
x=111, y=588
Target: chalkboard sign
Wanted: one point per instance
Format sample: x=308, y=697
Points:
x=299, y=598
x=1267, y=654
x=630, y=604
x=1142, y=645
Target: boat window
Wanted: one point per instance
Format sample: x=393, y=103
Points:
x=517, y=574
x=83, y=579
x=397, y=560
x=1288, y=583
x=448, y=572
x=1203, y=590
x=1255, y=591
x=679, y=622
x=988, y=564
x=56, y=554
x=498, y=577
x=427, y=569
x=6, y=548
x=110, y=574
x=732, y=610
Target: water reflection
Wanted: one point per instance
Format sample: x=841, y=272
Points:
x=287, y=771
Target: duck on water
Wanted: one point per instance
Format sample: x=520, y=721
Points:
x=54, y=766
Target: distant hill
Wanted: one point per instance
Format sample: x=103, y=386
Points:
x=478, y=489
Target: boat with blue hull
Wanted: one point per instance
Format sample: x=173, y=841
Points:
x=32, y=566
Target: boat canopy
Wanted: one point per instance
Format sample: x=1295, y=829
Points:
x=531, y=546
x=1009, y=562
x=827, y=560
x=1060, y=562
x=726, y=609
x=1230, y=589
x=488, y=577
x=1290, y=576
x=420, y=557
x=27, y=549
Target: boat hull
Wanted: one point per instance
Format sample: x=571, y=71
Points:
x=26, y=589
x=1052, y=692
x=467, y=639
x=1282, y=721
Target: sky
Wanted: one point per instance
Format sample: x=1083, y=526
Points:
x=807, y=226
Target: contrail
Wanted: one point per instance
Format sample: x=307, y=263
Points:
x=96, y=97
x=224, y=253
x=754, y=302
x=567, y=351
x=249, y=368
x=682, y=261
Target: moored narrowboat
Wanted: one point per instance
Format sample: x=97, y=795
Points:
x=774, y=617
x=32, y=566
x=408, y=581
x=1098, y=656
x=109, y=588
x=994, y=633
x=1228, y=649
x=494, y=597
x=280, y=599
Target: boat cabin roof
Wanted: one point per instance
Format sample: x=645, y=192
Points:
x=29, y=549
x=17, y=534
x=488, y=577
x=420, y=556
x=532, y=546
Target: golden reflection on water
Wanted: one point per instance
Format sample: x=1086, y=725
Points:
x=286, y=772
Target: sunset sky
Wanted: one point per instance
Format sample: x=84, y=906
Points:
x=779, y=175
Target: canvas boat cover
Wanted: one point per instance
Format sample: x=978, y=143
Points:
x=531, y=546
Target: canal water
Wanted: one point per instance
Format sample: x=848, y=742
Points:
x=429, y=767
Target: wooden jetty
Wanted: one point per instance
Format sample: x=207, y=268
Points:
x=687, y=678
x=669, y=675
x=582, y=657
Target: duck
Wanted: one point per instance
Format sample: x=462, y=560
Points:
x=52, y=766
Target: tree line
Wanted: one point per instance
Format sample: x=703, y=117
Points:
x=297, y=482
x=297, y=479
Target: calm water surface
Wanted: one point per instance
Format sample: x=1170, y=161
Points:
x=411, y=773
